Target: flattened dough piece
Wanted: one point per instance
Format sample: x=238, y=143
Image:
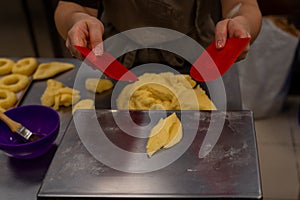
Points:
x=165, y=134
x=83, y=104
x=98, y=85
x=48, y=70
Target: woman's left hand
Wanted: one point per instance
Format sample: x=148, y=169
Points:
x=232, y=28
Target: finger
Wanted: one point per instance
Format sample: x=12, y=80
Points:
x=96, y=42
x=76, y=38
x=98, y=50
x=73, y=51
x=235, y=30
x=221, y=33
x=239, y=33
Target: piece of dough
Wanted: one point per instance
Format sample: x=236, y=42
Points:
x=84, y=104
x=165, y=134
x=6, y=66
x=14, y=82
x=48, y=70
x=56, y=95
x=2, y=109
x=25, y=66
x=166, y=91
x=153, y=96
x=98, y=85
x=48, y=96
x=66, y=97
x=7, y=99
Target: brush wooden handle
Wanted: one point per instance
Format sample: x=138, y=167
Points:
x=13, y=125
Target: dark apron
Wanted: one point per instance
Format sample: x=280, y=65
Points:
x=195, y=18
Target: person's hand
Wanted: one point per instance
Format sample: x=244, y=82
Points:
x=232, y=28
x=85, y=32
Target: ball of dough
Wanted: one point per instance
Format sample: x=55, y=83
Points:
x=14, y=82
x=25, y=66
x=7, y=99
x=6, y=66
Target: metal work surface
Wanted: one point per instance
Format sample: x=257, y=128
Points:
x=23, y=178
x=230, y=170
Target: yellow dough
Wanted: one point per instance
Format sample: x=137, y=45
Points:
x=84, y=104
x=7, y=99
x=25, y=66
x=6, y=66
x=56, y=95
x=153, y=96
x=2, y=109
x=66, y=97
x=98, y=85
x=165, y=134
x=48, y=96
x=48, y=70
x=164, y=91
x=14, y=82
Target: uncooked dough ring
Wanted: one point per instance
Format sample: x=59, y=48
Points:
x=25, y=66
x=14, y=82
x=6, y=66
x=7, y=99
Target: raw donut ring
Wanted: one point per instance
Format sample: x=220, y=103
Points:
x=14, y=82
x=7, y=99
x=6, y=66
x=2, y=109
x=25, y=66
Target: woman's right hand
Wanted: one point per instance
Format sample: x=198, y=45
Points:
x=79, y=25
x=87, y=32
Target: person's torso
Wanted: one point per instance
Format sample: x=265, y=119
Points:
x=128, y=14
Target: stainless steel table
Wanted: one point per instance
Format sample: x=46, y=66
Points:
x=23, y=178
x=229, y=171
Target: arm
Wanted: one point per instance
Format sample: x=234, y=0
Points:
x=245, y=23
x=79, y=25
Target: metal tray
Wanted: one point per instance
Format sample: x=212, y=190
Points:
x=229, y=171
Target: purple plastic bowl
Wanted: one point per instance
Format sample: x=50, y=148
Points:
x=38, y=119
